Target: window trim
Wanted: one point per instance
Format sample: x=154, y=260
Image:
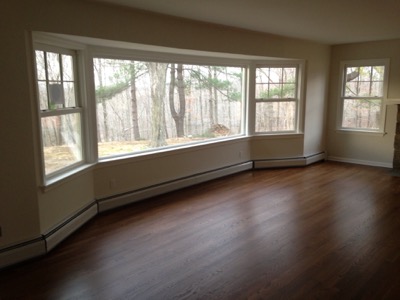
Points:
x=342, y=87
x=49, y=43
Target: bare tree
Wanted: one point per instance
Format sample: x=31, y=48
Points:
x=134, y=109
x=178, y=82
x=157, y=72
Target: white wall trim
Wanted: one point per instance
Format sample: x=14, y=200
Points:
x=134, y=196
x=360, y=162
x=289, y=162
x=22, y=252
x=45, y=243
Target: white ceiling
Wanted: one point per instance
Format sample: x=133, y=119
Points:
x=325, y=21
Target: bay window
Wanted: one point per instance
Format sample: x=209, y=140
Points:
x=98, y=103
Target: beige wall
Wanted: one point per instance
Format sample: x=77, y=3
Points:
x=25, y=210
x=136, y=173
x=358, y=147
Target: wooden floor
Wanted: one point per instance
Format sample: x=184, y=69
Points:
x=326, y=231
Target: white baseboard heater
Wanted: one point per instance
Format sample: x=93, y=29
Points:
x=134, y=196
x=289, y=162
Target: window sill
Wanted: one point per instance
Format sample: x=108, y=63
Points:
x=65, y=177
x=167, y=151
x=263, y=136
x=361, y=132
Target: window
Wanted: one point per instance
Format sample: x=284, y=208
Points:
x=59, y=109
x=147, y=105
x=362, y=96
x=143, y=99
x=277, y=99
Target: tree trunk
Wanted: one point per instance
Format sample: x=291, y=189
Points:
x=157, y=73
x=178, y=116
x=215, y=98
x=134, y=110
x=211, y=101
x=182, y=102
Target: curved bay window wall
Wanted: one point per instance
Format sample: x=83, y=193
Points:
x=130, y=99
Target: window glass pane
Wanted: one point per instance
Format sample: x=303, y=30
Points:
x=275, y=75
x=351, y=89
x=352, y=74
x=365, y=81
x=289, y=90
x=53, y=66
x=289, y=75
x=56, y=95
x=275, y=83
x=40, y=65
x=69, y=92
x=364, y=89
x=275, y=91
x=378, y=73
x=62, y=141
x=377, y=89
x=68, y=72
x=262, y=91
x=361, y=114
x=146, y=105
x=275, y=116
x=43, y=101
x=365, y=73
x=58, y=90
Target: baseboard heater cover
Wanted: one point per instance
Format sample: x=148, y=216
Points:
x=61, y=232
x=22, y=252
x=360, y=162
x=40, y=246
x=289, y=162
x=134, y=196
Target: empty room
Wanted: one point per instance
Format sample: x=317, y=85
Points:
x=200, y=149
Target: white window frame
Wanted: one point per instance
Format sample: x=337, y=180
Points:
x=298, y=100
x=47, y=43
x=342, y=97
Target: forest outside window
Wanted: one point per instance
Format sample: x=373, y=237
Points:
x=59, y=109
x=146, y=105
x=277, y=99
x=362, y=96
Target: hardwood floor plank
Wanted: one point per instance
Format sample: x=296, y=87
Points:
x=327, y=231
